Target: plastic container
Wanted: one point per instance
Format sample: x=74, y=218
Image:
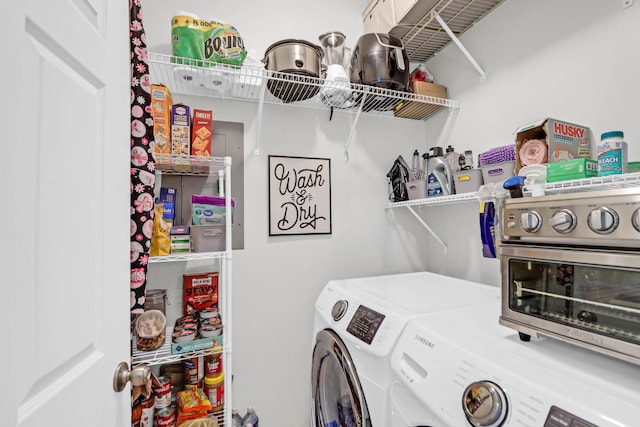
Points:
x=416, y=169
x=156, y=299
x=467, y=181
x=498, y=172
x=150, y=327
x=612, y=154
x=250, y=417
x=439, y=178
x=214, y=389
x=452, y=158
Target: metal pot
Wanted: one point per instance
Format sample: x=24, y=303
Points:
x=301, y=63
x=380, y=60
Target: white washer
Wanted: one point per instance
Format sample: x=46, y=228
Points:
x=447, y=367
x=357, y=324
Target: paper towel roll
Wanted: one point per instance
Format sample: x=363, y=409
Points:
x=187, y=76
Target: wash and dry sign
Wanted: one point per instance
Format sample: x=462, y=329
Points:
x=299, y=195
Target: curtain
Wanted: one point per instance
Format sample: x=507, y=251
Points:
x=142, y=159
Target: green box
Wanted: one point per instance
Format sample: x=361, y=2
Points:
x=633, y=167
x=571, y=169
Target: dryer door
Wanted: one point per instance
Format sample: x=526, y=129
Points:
x=337, y=393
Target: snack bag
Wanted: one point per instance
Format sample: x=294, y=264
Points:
x=210, y=41
x=160, y=239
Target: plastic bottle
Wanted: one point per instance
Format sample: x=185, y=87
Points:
x=250, y=418
x=439, y=178
x=612, y=153
x=452, y=158
x=416, y=170
x=236, y=419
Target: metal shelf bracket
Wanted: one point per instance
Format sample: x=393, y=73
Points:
x=263, y=86
x=424, y=224
x=445, y=27
x=353, y=128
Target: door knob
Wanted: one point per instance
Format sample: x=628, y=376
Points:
x=138, y=376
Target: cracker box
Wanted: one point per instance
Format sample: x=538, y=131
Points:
x=565, y=141
x=420, y=110
x=199, y=291
x=180, y=135
x=202, y=133
x=161, y=113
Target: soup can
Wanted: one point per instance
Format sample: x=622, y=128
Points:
x=148, y=413
x=162, y=393
x=166, y=417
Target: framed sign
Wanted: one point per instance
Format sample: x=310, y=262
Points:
x=299, y=195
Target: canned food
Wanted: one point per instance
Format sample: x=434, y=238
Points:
x=162, y=393
x=166, y=417
x=148, y=412
x=193, y=369
x=213, y=363
x=193, y=386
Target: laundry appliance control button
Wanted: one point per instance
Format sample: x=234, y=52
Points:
x=485, y=404
x=339, y=309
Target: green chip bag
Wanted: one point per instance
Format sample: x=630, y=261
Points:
x=207, y=41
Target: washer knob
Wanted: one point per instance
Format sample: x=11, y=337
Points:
x=603, y=220
x=485, y=404
x=563, y=221
x=339, y=309
x=530, y=221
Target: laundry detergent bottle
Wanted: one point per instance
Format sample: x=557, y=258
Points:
x=439, y=176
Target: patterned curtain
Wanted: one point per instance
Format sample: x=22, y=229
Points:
x=142, y=159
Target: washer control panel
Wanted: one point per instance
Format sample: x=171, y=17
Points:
x=365, y=323
x=560, y=418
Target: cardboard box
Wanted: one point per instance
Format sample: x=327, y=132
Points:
x=202, y=133
x=196, y=345
x=161, y=113
x=420, y=110
x=199, y=291
x=571, y=169
x=565, y=141
x=180, y=136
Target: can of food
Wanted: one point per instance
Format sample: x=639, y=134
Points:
x=214, y=389
x=213, y=363
x=193, y=386
x=166, y=417
x=193, y=369
x=162, y=393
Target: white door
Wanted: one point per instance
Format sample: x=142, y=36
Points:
x=64, y=209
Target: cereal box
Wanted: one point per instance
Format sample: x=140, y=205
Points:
x=161, y=112
x=199, y=291
x=202, y=133
x=180, y=135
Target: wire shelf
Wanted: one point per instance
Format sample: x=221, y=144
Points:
x=437, y=200
x=423, y=38
x=200, y=78
x=192, y=256
x=598, y=182
x=163, y=354
x=182, y=164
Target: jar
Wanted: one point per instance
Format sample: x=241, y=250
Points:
x=156, y=299
x=214, y=389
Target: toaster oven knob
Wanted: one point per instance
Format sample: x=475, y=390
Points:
x=563, y=221
x=530, y=221
x=484, y=404
x=635, y=219
x=603, y=220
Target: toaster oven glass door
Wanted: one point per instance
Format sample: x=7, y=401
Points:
x=595, y=298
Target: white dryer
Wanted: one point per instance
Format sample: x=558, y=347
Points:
x=357, y=324
x=454, y=370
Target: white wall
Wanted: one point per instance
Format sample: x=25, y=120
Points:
x=277, y=279
x=583, y=69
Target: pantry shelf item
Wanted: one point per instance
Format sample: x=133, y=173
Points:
x=250, y=85
x=220, y=261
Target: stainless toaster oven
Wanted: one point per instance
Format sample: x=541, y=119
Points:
x=570, y=268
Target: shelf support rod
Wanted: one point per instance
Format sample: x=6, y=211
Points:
x=353, y=128
x=256, y=149
x=424, y=224
x=445, y=27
